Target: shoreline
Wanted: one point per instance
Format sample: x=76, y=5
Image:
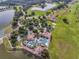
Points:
x=4, y=34
x=1, y=40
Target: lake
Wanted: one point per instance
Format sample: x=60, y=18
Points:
x=5, y=19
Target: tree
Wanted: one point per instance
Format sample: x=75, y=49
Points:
x=65, y=21
x=35, y=31
x=31, y=27
x=45, y=54
x=33, y=13
x=41, y=30
x=21, y=30
x=13, y=38
x=39, y=17
x=20, y=13
x=44, y=17
x=23, y=22
x=27, y=24
x=26, y=15
x=26, y=32
x=14, y=24
x=26, y=12
x=36, y=22
x=30, y=23
x=47, y=13
x=44, y=24
x=15, y=8
x=49, y=28
x=15, y=19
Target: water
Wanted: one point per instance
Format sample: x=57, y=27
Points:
x=5, y=19
x=1, y=33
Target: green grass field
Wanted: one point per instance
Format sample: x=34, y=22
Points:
x=65, y=42
x=38, y=13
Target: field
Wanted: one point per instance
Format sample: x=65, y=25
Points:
x=65, y=42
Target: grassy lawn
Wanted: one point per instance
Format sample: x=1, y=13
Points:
x=8, y=29
x=65, y=42
x=38, y=13
x=7, y=44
